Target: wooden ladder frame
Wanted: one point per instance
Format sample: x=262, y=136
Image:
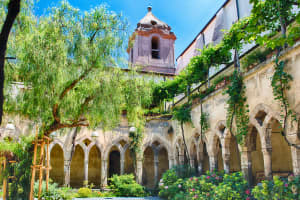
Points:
x=41, y=166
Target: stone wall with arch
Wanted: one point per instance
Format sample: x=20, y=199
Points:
x=162, y=146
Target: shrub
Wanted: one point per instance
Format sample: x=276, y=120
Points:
x=51, y=194
x=234, y=186
x=84, y=192
x=211, y=186
x=126, y=186
x=203, y=187
x=172, y=190
x=277, y=188
x=255, y=57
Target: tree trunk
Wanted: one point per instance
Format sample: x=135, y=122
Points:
x=13, y=11
x=185, y=146
x=73, y=147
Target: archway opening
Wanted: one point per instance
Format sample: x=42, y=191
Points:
x=163, y=162
x=282, y=163
x=155, y=47
x=148, y=168
x=94, y=174
x=57, y=164
x=77, y=168
x=235, y=163
x=114, y=162
x=256, y=156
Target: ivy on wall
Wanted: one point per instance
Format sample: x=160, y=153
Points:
x=237, y=109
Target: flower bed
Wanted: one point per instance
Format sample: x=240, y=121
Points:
x=219, y=186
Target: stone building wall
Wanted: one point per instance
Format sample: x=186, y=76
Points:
x=264, y=152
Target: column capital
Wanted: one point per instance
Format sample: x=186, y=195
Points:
x=266, y=150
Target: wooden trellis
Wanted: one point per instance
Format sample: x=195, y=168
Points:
x=5, y=158
x=41, y=166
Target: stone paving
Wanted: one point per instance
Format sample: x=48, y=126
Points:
x=120, y=198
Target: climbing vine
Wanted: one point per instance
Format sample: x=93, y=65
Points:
x=237, y=109
x=204, y=122
x=183, y=115
x=280, y=84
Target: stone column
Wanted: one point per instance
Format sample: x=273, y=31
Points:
x=170, y=163
x=192, y=162
x=86, y=167
x=200, y=160
x=122, y=163
x=213, y=163
x=226, y=163
x=104, y=173
x=155, y=167
x=296, y=160
x=267, y=155
x=139, y=169
x=246, y=165
x=181, y=159
x=200, y=167
x=67, y=166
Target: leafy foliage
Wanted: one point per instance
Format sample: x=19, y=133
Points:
x=204, y=122
x=21, y=169
x=182, y=113
x=278, y=189
x=125, y=186
x=237, y=106
x=255, y=57
x=68, y=66
x=208, y=186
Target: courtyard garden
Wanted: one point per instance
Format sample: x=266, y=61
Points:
x=64, y=72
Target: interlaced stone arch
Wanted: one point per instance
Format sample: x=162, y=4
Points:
x=116, y=143
x=54, y=142
x=155, y=151
x=161, y=141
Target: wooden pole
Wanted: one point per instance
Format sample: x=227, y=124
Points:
x=48, y=166
x=4, y=180
x=41, y=168
x=31, y=195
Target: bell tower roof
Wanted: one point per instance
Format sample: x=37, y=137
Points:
x=150, y=21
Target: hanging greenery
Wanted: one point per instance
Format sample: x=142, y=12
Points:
x=280, y=84
x=183, y=115
x=204, y=122
x=237, y=109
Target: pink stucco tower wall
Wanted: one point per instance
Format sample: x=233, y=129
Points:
x=153, y=46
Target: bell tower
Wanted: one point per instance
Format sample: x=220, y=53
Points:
x=152, y=46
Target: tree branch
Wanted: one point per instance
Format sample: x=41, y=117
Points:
x=55, y=108
x=13, y=11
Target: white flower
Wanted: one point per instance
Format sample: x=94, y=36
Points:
x=179, y=186
x=166, y=187
x=161, y=184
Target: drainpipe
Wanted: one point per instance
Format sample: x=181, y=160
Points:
x=237, y=9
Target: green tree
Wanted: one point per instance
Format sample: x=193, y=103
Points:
x=67, y=62
x=13, y=9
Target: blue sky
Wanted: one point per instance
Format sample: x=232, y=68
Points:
x=186, y=17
